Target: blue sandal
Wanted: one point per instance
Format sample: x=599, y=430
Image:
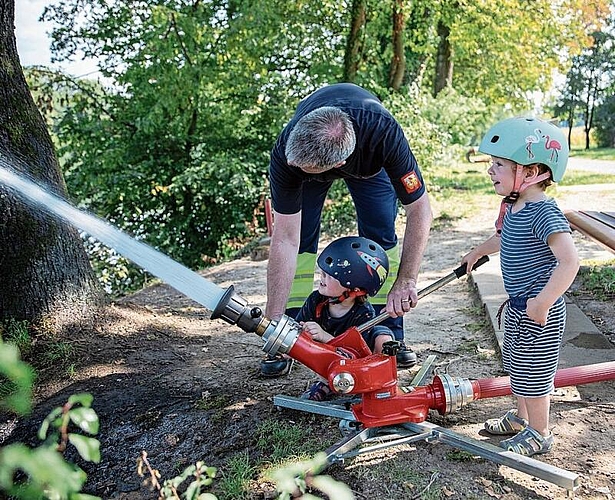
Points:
x=506, y=425
x=318, y=391
x=528, y=442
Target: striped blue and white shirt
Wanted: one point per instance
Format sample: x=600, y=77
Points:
x=525, y=257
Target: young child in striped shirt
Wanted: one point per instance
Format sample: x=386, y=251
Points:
x=539, y=263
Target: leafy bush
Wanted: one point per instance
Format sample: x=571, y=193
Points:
x=600, y=280
x=464, y=118
x=43, y=472
x=604, y=123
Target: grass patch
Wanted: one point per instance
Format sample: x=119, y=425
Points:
x=60, y=353
x=593, y=153
x=209, y=402
x=282, y=441
x=583, y=178
x=235, y=477
x=17, y=333
x=421, y=484
x=600, y=280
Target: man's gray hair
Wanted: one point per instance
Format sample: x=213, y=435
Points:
x=321, y=139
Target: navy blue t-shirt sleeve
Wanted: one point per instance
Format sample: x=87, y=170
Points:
x=285, y=182
x=401, y=166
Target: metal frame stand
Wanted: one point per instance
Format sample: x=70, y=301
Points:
x=359, y=441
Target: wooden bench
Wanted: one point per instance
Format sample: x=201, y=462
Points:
x=599, y=226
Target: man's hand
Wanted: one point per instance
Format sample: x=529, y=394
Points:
x=402, y=297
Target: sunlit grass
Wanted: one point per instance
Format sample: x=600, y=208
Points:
x=593, y=153
x=584, y=177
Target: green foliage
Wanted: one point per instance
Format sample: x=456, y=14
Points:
x=192, y=480
x=281, y=440
x=77, y=411
x=504, y=50
x=236, y=476
x=604, y=123
x=16, y=378
x=338, y=215
x=47, y=473
x=17, y=333
x=465, y=118
x=600, y=280
x=297, y=478
x=591, y=74
x=428, y=141
x=198, y=475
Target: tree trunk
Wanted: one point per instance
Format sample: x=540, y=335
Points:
x=44, y=269
x=353, y=43
x=398, y=63
x=444, y=63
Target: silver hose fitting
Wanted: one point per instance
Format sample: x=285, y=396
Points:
x=279, y=335
x=234, y=310
x=457, y=391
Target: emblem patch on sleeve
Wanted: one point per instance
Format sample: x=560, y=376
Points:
x=411, y=182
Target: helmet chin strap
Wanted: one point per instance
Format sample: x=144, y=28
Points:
x=519, y=186
x=357, y=292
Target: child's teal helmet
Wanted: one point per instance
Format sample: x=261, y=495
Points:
x=528, y=140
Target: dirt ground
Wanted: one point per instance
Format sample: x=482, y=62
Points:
x=168, y=380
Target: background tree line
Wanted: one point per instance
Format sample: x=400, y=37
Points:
x=172, y=143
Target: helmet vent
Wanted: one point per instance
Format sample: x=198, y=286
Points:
x=495, y=139
x=354, y=244
x=329, y=261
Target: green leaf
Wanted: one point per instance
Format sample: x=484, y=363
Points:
x=84, y=399
x=85, y=418
x=52, y=417
x=88, y=448
x=47, y=472
x=21, y=375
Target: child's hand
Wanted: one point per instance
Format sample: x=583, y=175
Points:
x=316, y=332
x=470, y=259
x=537, y=312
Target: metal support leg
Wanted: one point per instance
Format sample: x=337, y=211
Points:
x=372, y=439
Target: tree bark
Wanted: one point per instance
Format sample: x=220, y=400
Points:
x=352, y=56
x=444, y=62
x=45, y=273
x=398, y=63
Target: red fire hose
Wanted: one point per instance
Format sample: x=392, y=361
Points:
x=565, y=377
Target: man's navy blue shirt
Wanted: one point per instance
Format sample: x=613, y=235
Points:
x=381, y=143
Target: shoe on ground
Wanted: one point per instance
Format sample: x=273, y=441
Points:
x=528, y=442
x=406, y=357
x=275, y=366
x=507, y=425
x=319, y=391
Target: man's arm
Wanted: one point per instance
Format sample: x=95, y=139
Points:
x=403, y=294
x=282, y=263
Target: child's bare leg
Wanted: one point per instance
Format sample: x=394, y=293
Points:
x=536, y=412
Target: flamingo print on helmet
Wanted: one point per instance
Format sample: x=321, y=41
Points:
x=528, y=140
x=553, y=146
